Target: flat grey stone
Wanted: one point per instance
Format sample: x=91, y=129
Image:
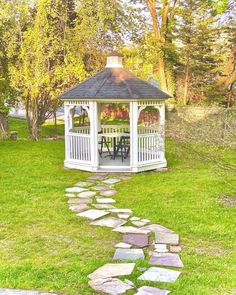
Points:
x=98, y=177
x=103, y=206
x=129, y=282
x=93, y=214
x=166, y=259
x=138, y=223
x=157, y=274
x=157, y=228
x=83, y=184
x=105, y=200
x=130, y=230
x=139, y=240
x=161, y=248
x=101, y=187
x=69, y=195
x=117, y=210
x=128, y=254
x=79, y=201
x=79, y=207
x=123, y=215
x=4, y=291
x=146, y=290
x=123, y=245
x=175, y=249
x=108, y=193
x=145, y=220
x=166, y=238
x=111, y=180
x=87, y=194
x=110, y=286
x=109, y=222
x=135, y=218
x=75, y=189
x=110, y=270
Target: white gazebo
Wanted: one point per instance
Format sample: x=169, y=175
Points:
x=100, y=147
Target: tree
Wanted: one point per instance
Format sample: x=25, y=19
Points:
x=40, y=72
x=14, y=18
x=163, y=18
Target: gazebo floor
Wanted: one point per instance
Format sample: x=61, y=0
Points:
x=106, y=160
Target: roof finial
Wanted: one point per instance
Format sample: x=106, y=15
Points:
x=114, y=60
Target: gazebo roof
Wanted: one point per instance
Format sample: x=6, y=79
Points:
x=114, y=82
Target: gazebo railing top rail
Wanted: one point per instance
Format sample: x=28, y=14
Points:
x=117, y=129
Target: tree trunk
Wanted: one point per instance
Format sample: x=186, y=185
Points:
x=55, y=120
x=185, y=98
x=162, y=74
x=160, y=34
x=3, y=125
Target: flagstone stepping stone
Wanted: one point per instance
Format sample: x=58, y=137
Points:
x=97, y=177
x=128, y=254
x=105, y=200
x=70, y=195
x=103, y=206
x=139, y=240
x=110, y=286
x=157, y=274
x=122, y=245
x=166, y=259
x=129, y=282
x=75, y=189
x=100, y=187
x=166, y=238
x=79, y=201
x=175, y=249
x=130, y=230
x=22, y=292
x=111, y=180
x=123, y=215
x=110, y=270
x=93, y=214
x=117, y=210
x=108, y=193
x=139, y=223
x=79, y=207
x=134, y=218
x=161, y=248
x=157, y=228
x=83, y=184
x=109, y=222
x=87, y=194
x=145, y=220
x=146, y=290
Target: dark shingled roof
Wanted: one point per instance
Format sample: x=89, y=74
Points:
x=114, y=83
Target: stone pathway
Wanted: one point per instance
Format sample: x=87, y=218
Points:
x=94, y=200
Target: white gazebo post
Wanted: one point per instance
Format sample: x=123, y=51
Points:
x=68, y=119
x=134, y=135
x=161, y=109
x=93, y=111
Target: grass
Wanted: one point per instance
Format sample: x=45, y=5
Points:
x=46, y=247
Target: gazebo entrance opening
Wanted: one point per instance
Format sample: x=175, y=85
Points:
x=113, y=135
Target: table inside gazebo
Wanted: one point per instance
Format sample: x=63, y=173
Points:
x=116, y=138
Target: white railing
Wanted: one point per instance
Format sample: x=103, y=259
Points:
x=78, y=147
x=115, y=128
x=81, y=130
x=150, y=148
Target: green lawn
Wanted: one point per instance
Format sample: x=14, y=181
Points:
x=45, y=246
